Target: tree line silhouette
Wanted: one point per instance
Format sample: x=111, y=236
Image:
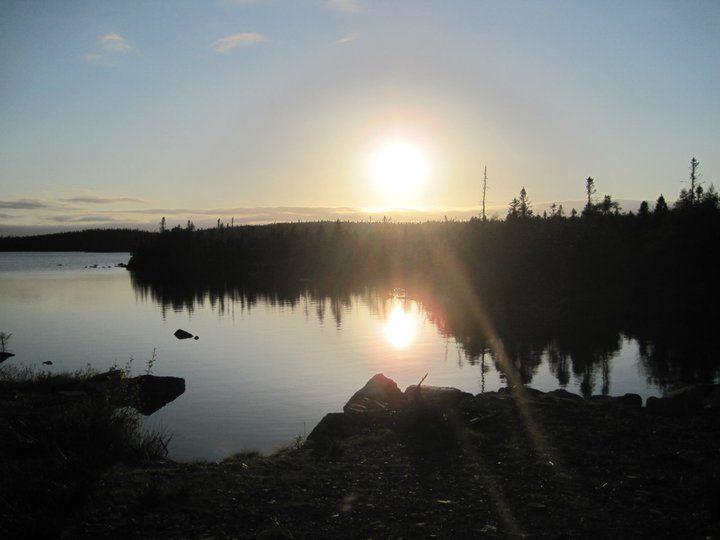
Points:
x=654, y=258
x=97, y=240
x=567, y=284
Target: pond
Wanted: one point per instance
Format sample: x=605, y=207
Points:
x=267, y=367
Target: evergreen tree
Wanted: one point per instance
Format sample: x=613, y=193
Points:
x=524, y=206
x=661, y=206
x=608, y=205
x=590, y=192
x=513, y=209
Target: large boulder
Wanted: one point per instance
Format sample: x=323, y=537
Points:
x=153, y=393
x=443, y=396
x=5, y=355
x=379, y=394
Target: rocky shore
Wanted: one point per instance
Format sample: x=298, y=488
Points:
x=439, y=462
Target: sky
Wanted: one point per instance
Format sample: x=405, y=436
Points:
x=119, y=113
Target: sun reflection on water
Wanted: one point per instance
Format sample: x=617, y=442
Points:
x=402, y=323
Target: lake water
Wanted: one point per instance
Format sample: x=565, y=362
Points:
x=264, y=369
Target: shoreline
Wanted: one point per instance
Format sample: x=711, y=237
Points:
x=434, y=461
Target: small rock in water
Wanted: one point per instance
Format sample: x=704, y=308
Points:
x=182, y=334
x=196, y=337
x=47, y=363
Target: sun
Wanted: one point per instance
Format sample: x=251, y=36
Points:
x=399, y=168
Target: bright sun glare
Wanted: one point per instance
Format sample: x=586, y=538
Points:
x=399, y=169
x=401, y=326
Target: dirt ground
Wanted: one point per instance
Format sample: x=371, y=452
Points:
x=496, y=465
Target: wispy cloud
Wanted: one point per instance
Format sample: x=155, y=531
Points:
x=348, y=6
x=114, y=43
x=228, y=43
x=24, y=204
x=109, y=45
x=92, y=57
x=352, y=36
x=64, y=218
x=67, y=218
x=98, y=199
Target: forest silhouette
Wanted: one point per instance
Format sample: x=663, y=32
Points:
x=564, y=285
x=570, y=285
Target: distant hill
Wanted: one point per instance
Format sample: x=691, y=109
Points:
x=99, y=240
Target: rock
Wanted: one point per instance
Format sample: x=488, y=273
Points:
x=683, y=400
x=110, y=375
x=378, y=394
x=47, y=363
x=658, y=405
x=631, y=400
x=520, y=388
x=5, y=355
x=561, y=393
x=196, y=338
x=437, y=395
x=153, y=392
x=182, y=334
x=335, y=426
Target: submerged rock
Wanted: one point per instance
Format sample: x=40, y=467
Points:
x=378, y=394
x=182, y=334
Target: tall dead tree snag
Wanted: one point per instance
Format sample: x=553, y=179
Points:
x=484, y=192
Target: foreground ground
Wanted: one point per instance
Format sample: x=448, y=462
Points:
x=509, y=464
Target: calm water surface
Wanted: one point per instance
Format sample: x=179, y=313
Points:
x=262, y=372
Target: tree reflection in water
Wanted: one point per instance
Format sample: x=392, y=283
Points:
x=576, y=341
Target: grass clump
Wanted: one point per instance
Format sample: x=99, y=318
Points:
x=58, y=433
x=242, y=457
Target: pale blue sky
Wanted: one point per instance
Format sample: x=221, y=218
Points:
x=210, y=107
